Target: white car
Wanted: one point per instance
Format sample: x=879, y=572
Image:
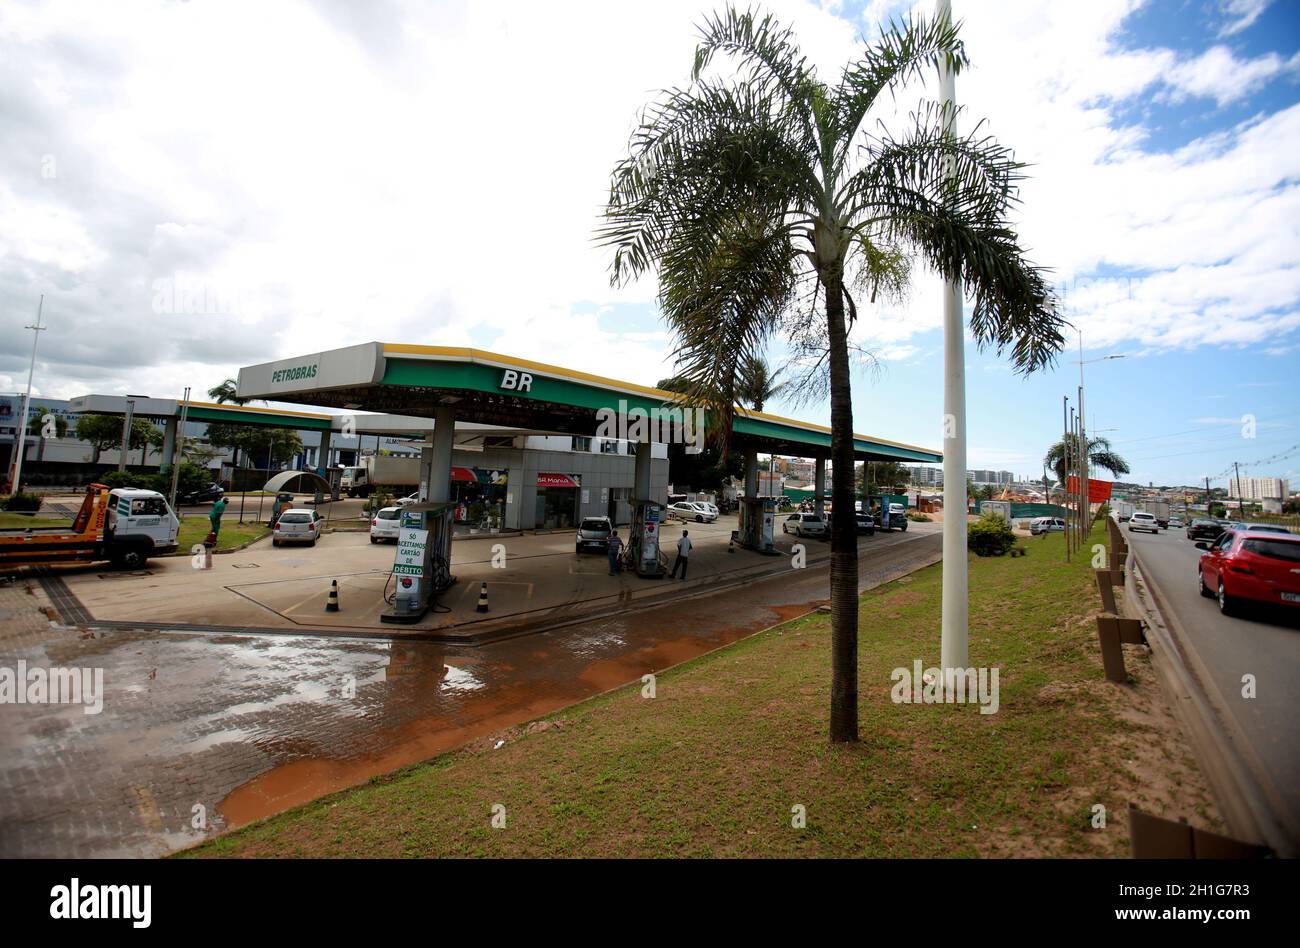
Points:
x=1141, y=520
x=687, y=510
x=804, y=525
x=1041, y=525
x=297, y=525
x=409, y=499
x=385, y=524
x=707, y=506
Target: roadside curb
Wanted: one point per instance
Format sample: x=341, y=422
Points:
x=1250, y=805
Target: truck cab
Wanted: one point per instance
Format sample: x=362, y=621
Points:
x=139, y=524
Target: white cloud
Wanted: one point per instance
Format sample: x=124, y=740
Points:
x=1218, y=74
x=1243, y=13
x=434, y=173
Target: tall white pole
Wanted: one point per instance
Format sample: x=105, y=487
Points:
x=178, y=451
x=954, y=652
x=20, y=441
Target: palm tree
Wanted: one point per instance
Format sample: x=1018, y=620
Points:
x=758, y=383
x=1099, y=455
x=763, y=209
x=226, y=393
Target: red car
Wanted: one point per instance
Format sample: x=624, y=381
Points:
x=1250, y=564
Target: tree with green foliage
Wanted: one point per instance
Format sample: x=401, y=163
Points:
x=102, y=432
x=763, y=206
x=1100, y=455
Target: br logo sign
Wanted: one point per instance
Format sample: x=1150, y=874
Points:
x=517, y=381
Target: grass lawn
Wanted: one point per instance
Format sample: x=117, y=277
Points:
x=713, y=765
x=195, y=528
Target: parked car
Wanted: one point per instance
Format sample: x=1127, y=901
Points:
x=688, y=510
x=804, y=525
x=1141, y=520
x=408, y=499
x=386, y=524
x=593, y=533
x=206, y=495
x=709, y=507
x=297, y=525
x=1259, y=565
x=1266, y=527
x=1040, y=525
x=1204, y=529
x=865, y=522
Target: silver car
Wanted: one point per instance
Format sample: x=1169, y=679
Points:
x=297, y=525
x=686, y=510
x=593, y=534
x=1040, y=525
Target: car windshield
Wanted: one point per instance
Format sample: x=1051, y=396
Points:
x=595, y=525
x=1288, y=550
x=296, y=518
x=1267, y=527
x=389, y=513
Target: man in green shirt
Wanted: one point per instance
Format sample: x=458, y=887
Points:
x=215, y=516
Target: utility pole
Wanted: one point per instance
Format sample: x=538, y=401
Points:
x=1237, y=471
x=1065, y=470
x=20, y=438
x=178, y=454
x=954, y=635
x=126, y=434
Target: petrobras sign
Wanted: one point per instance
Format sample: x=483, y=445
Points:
x=336, y=368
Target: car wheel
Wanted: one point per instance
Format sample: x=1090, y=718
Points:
x=275, y=542
x=313, y=542
x=374, y=540
x=577, y=548
x=1203, y=589
x=699, y=519
x=1227, y=604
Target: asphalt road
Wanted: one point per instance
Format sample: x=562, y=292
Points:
x=1264, y=643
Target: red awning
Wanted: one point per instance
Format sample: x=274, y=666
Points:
x=555, y=480
x=463, y=474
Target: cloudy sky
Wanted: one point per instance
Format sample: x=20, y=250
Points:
x=201, y=185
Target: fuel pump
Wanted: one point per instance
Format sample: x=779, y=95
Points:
x=758, y=524
x=422, y=568
x=643, y=539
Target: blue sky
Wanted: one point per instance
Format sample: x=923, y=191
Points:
x=363, y=194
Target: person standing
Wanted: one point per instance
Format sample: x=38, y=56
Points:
x=615, y=551
x=683, y=554
x=214, y=517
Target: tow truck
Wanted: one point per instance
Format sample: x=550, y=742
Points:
x=123, y=525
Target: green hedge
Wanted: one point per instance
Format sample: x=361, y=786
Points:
x=990, y=536
x=21, y=503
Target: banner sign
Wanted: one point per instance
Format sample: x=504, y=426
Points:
x=1098, y=491
x=557, y=480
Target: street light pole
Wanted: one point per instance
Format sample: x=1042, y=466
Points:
x=954, y=635
x=20, y=440
x=126, y=434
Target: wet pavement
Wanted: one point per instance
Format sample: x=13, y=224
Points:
x=199, y=733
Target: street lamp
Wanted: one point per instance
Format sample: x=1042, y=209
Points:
x=1085, y=500
x=20, y=441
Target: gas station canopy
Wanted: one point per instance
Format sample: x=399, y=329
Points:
x=493, y=389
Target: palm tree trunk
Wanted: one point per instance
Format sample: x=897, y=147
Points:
x=844, y=538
